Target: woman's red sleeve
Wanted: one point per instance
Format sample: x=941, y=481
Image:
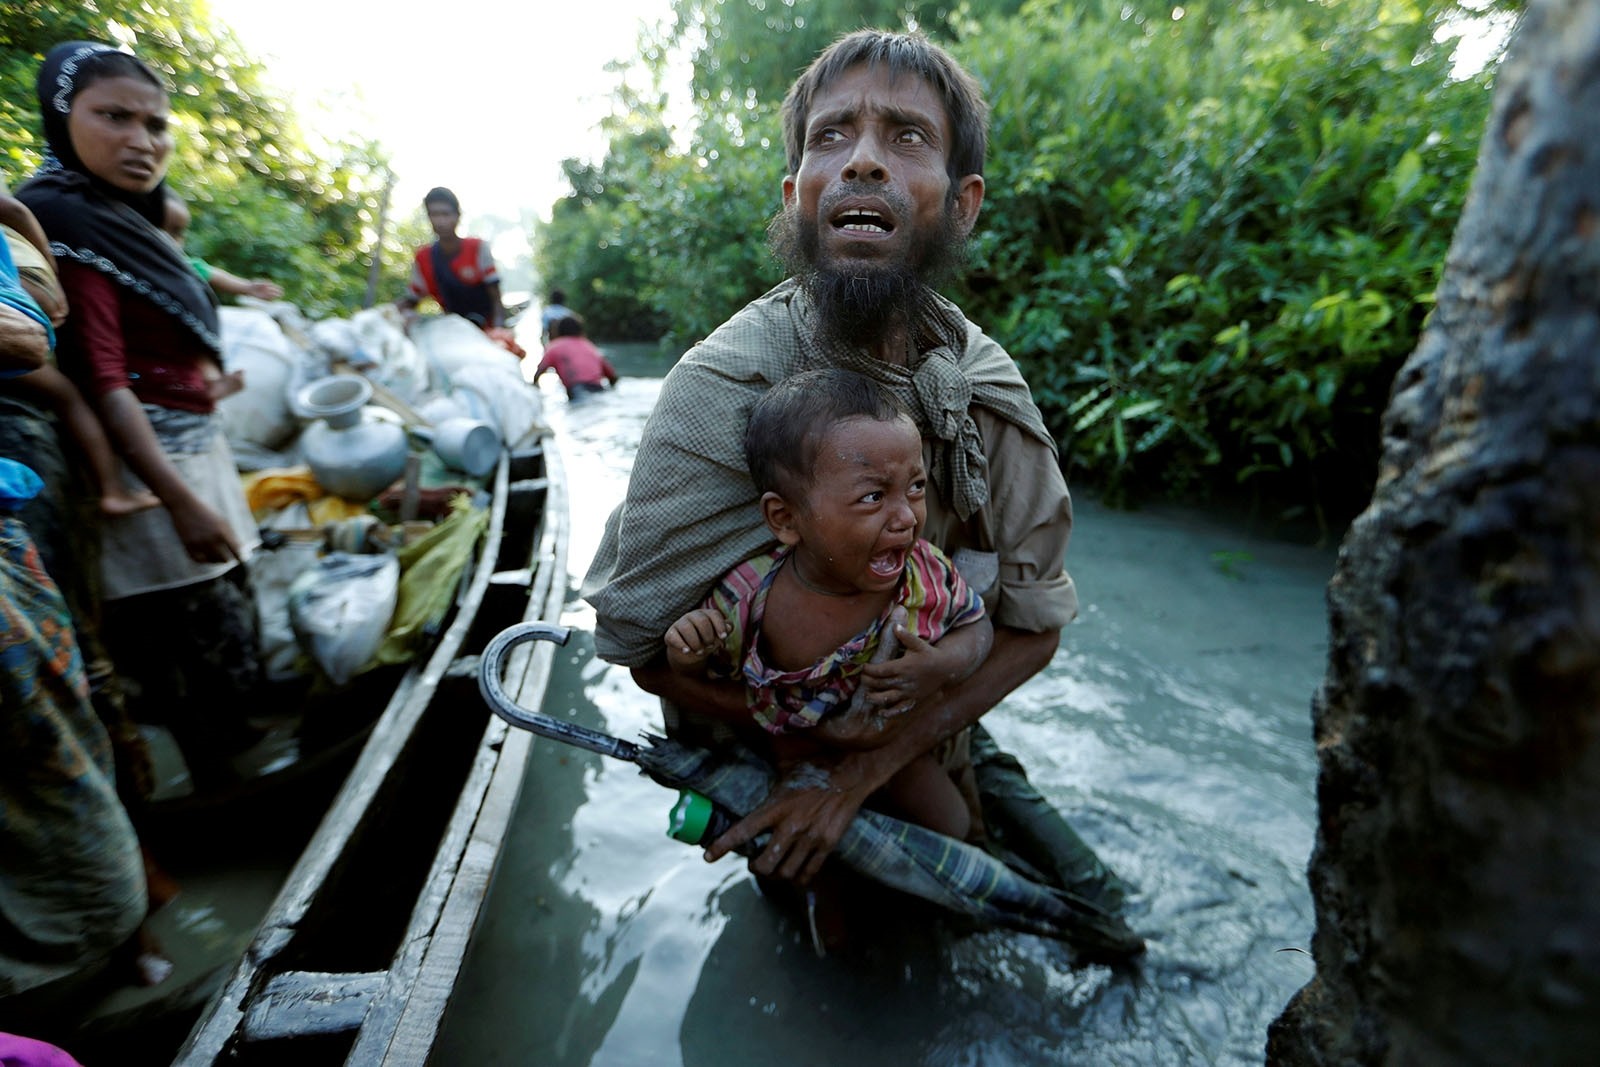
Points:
x=94, y=328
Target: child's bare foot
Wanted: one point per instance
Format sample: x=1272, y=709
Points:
x=227, y=385
x=123, y=502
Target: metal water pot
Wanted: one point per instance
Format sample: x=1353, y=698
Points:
x=351, y=453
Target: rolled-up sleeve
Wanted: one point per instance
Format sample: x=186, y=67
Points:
x=1030, y=519
x=690, y=514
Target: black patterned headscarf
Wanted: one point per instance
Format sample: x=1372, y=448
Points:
x=93, y=222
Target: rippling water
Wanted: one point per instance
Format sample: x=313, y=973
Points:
x=1172, y=728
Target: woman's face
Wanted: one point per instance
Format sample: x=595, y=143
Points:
x=120, y=131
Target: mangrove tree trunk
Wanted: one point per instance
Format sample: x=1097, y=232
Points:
x=1456, y=873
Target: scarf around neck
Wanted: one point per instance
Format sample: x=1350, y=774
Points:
x=939, y=388
x=94, y=223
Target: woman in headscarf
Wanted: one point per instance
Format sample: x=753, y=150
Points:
x=142, y=341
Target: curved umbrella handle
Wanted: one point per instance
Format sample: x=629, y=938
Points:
x=492, y=663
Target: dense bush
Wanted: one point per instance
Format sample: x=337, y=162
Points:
x=1211, y=240
x=1210, y=237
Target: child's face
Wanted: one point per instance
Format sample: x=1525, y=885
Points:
x=865, y=506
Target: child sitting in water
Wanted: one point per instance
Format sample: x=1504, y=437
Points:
x=48, y=385
x=839, y=468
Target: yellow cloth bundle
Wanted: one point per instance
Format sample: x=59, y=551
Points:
x=273, y=490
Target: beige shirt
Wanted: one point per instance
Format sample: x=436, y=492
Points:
x=690, y=512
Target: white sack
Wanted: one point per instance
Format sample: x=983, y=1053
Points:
x=341, y=609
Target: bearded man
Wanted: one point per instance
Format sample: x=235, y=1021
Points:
x=885, y=135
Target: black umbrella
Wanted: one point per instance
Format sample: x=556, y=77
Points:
x=957, y=876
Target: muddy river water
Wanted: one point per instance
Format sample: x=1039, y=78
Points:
x=1172, y=728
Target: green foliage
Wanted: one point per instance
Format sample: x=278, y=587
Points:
x=1211, y=241
x=595, y=246
x=746, y=52
x=265, y=201
x=655, y=242
x=1210, y=235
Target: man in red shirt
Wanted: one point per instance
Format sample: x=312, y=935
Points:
x=582, y=367
x=458, y=272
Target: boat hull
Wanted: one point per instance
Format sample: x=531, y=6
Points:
x=356, y=958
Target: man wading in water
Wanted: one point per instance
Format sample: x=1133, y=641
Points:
x=885, y=137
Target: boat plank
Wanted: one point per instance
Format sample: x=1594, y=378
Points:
x=390, y=1001
x=311, y=1002
x=423, y=995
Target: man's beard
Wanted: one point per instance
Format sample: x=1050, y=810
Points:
x=862, y=303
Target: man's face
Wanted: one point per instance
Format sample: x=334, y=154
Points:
x=444, y=219
x=872, y=183
x=872, y=212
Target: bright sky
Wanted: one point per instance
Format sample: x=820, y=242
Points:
x=483, y=96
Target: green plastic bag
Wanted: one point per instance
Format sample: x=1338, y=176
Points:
x=430, y=571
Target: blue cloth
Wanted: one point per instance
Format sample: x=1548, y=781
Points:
x=18, y=484
x=13, y=294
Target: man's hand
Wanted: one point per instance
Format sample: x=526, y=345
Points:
x=807, y=813
x=861, y=726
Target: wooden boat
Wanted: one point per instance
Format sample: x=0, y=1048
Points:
x=355, y=959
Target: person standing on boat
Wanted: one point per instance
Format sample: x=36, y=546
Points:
x=582, y=367
x=885, y=136
x=458, y=272
x=180, y=618
x=72, y=886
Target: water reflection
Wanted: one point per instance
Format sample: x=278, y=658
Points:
x=1172, y=729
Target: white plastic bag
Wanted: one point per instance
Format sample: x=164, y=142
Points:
x=483, y=379
x=505, y=402
x=341, y=609
x=450, y=343
x=272, y=573
x=399, y=365
x=259, y=414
